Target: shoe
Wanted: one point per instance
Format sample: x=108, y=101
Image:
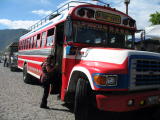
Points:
x=45, y=107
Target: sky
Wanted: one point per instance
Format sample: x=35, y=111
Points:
x=15, y=14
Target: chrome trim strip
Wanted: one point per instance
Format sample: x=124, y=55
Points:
x=31, y=61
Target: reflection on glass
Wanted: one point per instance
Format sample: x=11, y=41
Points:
x=34, y=41
x=92, y=33
x=43, y=39
x=37, y=45
x=49, y=41
x=30, y=42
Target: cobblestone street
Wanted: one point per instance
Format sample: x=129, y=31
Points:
x=20, y=101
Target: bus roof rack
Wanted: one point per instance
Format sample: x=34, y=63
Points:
x=55, y=14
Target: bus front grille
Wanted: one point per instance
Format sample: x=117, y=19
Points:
x=144, y=74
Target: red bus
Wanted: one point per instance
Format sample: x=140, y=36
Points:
x=94, y=46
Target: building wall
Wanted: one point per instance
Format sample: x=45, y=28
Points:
x=151, y=47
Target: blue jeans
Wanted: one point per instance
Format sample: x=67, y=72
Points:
x=4, y=63
x=46, y=86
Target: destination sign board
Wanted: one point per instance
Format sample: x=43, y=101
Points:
x=103, y=16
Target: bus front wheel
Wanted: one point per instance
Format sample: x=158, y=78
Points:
x=81, y=107
x=26, y=76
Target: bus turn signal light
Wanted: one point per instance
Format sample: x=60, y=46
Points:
x=100, y=80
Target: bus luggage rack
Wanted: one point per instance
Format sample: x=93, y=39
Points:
x=147, y=72
x=55, y=14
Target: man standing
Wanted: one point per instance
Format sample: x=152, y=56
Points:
x=5, y=60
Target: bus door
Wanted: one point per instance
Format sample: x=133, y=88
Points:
x=58, y=53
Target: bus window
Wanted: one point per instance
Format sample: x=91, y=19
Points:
x=43, y=39
x=25, y=43
x=50, y=35
x=38, y=39
x=30, y=42
x=21, y=45
x=13, y=49
x=34, y=41
x=118, y=39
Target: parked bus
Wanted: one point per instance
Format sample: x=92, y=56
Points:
x=12, y=55
x=94, y=46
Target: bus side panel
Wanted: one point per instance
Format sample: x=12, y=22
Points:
x=34, y=69
x=33, y=64
x=20, y=64
x=67, y=67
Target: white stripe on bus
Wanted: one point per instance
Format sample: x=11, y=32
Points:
x=31, y=61
x=20, y=67
x=37, y=76
x=35, y=49
x=42, y=56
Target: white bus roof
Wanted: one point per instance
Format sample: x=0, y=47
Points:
x=62, y=13
x=58, y=15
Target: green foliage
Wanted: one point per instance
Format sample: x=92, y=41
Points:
x=155, y=18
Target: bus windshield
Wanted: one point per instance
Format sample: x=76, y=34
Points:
x=14, y=49
x=93, y=33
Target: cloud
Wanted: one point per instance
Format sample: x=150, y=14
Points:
x=137, y=9
x=17, y=24
x=41, y=12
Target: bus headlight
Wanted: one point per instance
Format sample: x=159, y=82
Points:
x=105, y=80
x=112, y=80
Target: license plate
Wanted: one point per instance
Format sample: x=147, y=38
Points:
x=153, y=100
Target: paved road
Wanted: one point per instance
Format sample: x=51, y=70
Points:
x=20, y=101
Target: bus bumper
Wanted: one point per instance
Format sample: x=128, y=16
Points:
x=119, y=103
x=14, y=66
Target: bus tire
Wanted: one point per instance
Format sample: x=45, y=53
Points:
x=26, y=76
x=81, y=107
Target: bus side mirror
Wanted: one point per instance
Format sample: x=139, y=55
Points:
x=71, y=50
x=66, y=28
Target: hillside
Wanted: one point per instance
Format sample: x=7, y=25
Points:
x=9, y=35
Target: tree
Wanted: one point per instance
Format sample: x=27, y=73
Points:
x=155, y=18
